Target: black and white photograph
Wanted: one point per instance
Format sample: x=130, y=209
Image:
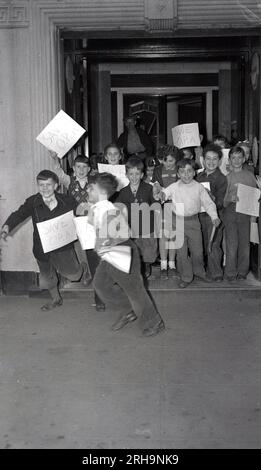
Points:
x=130, y=257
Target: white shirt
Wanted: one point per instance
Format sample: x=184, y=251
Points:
x=193, y=196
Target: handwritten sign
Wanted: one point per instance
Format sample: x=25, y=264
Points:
x=117, y=170
x=248, y=200
x=85, y=232
x=186, y=135
x=224, y=162
x=206, y=185
x=57, y=232
x=254, y=234
x=60, y=134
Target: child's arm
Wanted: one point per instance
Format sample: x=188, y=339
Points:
x=209, y=206
x=63, y=178
x=17, y=217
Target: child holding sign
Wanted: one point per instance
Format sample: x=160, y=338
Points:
x=188, y=196
x=45, y=205
x=123, y=292
x=166, y=174
x=212, y=156
x=133, y=196
x=76, y=184
x=237, y=225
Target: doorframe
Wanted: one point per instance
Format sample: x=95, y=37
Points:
x=167, y=91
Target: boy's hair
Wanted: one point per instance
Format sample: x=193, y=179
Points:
x=46, y=175
x=166, y=150
x=181, y=152
x=184, y=162
x=134, y=162
x=113, y=145
x=81, y=159
x=107, y=182
x=220, y=137
x=236, y=149
x=149, y=162
x=213, y=148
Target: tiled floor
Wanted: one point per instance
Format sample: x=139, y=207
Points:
x=68, y=381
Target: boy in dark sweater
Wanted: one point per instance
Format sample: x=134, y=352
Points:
x=218, y=184
x=45, y=205
x=139, y=192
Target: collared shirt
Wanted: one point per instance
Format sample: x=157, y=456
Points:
x=192, y=196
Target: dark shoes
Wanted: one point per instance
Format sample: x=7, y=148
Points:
x=52, y=305
x=100, y=307
x=154, y=330
x=86, y=278
x=147, y=270
x=203, y=278
x=241, y=278
x=164, y=275
x=123, y=321
x=183, y=284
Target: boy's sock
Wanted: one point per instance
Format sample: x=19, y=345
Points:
x=172, y=265
x=163, y=264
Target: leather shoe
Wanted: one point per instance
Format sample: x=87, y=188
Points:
x=52, y=305
x=154, y=330
x=123, y=321
x=99, y=307
x=183, y=284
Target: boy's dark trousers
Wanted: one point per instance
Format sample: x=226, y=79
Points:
x=237, y=231
x=62, y=262
x=193, y=264
x=124, y=293
x=214, y=258
x=93, y=262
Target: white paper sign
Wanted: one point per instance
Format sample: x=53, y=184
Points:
x=186, y=135
x=117, y=170
x=118, y=256
x=85, y=232
x=60, y=134
x=224, y=162
x=248, y=200
x=206, y=185
x=254, y=234
x=57, y=232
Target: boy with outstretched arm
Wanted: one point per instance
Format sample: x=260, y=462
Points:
x=45, y=205
x=123, y=292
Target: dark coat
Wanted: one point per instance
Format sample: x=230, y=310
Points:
x=144, y=138
x=144, y=194
x=35, y=207
x=218, y=185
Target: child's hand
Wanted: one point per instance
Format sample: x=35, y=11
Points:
x=4, y=232
x=216, y=222
x=156, y=190
x=54, y=156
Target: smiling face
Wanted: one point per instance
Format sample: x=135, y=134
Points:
x=47, y=187
x=186, y=174
x=237, y=160
x=169, y=162
x=80, y=170
x=113, y=156
x=135, y=176
x=211, y=161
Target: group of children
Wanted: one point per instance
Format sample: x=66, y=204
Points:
x=181, y=209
